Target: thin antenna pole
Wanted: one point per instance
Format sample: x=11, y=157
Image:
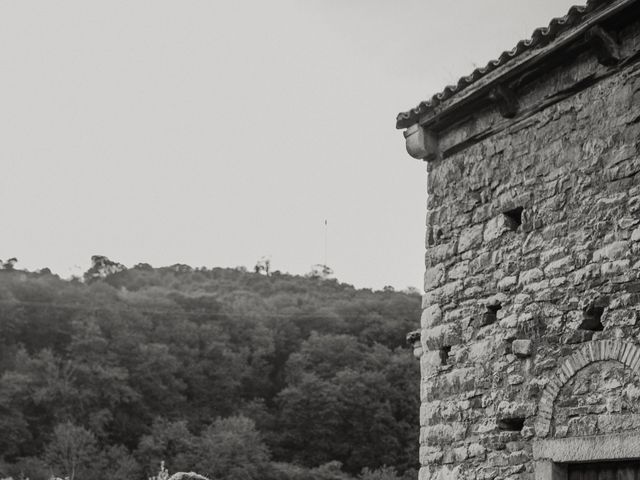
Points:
x=326, y=235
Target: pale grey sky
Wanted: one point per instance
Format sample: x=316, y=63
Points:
x=216, y=132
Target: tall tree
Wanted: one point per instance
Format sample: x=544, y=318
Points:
x=71, y=451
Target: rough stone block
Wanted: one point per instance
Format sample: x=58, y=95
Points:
x=443, y=335
x=559, y=267
x=426, y=386
x=498, y=459
x=507, y=283
x=617, y=267
x=487, y=473
x=582, y=426
x=430, y=363
x=522, y=348
x=476, y=450
x=480, y=263
x=538, y=287
x=429, y=454
x=495, y=228
x=531, y=276
x=613, y=251
x=444, y=434
x=552, y=254
x=620, y=318
x=508, y=409
x=584, y=274
x=431, y=316
x=458, y=381
x=459, y=271
x=446, y=473
x=440, y=253
x=434, y=277
x=443, y=294
x=429, y=412
x=470, y=237
x=424, y=473
x=509, y=322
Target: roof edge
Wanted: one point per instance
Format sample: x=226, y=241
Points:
x=524, y=57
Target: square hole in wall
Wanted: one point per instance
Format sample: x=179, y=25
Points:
x=514, y=424
x=592, y=318
x=491, y=314
x=444, y=354
x=513, y=217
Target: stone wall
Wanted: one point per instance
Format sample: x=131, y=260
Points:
x=533, y=274
x=587, y=403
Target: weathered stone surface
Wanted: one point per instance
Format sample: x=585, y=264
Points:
x=470, y=237
x=443, y=294
x=495, y=228
x=458, y=271
x=443, y=335
x=447, y=473
x=434, y=277
x=431, y=316
x=585, y=273
x=430, y=363
x=444, y=434
x=440, y=253
x=615, y=268
x=531, y=276
x=559, y=267
x=521, y=348
x=612, y=251
x=477, y=450
x=542, y=368
x=507, y=283
x=460, y=454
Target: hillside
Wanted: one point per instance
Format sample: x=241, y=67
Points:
x=233, y=374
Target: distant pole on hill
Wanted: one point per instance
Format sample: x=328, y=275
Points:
x=326, y=240
x=322, y=270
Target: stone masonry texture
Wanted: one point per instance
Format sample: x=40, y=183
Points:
x=530, y=326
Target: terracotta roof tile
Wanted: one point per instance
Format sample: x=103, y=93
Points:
x=539, y=38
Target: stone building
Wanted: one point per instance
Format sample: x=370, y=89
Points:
x=530, y=341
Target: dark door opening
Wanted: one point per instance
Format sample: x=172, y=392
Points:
x=622, y=470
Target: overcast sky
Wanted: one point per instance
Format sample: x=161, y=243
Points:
x=216, y=132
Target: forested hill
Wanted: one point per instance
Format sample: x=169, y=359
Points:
x=233, y=374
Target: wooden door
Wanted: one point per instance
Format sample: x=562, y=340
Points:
x=624, y=470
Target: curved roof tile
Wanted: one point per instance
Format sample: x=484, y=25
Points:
x=539, y=38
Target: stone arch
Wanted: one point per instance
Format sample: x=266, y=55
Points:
x=597, y=351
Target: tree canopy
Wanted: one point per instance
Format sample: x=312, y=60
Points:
x=236, y=375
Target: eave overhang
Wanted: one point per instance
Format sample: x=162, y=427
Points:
x=584, y=27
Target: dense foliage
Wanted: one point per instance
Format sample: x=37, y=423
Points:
x=232, y=374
